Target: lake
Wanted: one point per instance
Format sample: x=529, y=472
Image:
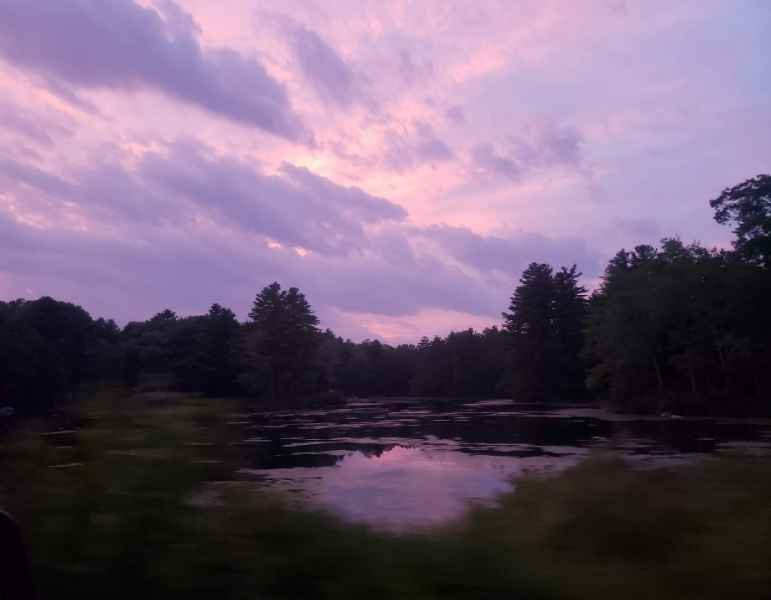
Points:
x=410, y=463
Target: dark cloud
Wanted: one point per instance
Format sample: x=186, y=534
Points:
x=108, y=191
x=187, y=269
x=510, y=255
x=455, y=114
x=413, y=71
x=118, y=44
x=419, y=145
x=34, y=126
x=646, y=229
x=104, y=189
x=618, y=8
x=539, y=145
x=376, y=286
x=329, y=75
x=17, y=173
x=132, y=277
x=294, y=207
x=188, y=227
x=432, y=150
x=333, y=79
x=65, y=93
x=489, y=161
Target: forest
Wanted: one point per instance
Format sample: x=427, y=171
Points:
x=676, y=327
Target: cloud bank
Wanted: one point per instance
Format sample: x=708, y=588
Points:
x=120, y=45
x=399, y=162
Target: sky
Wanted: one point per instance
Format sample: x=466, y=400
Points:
x=399, y=161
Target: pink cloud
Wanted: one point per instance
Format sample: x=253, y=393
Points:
x=117, y=44
x=452, y=143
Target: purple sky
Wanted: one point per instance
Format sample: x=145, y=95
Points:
x=400, y=162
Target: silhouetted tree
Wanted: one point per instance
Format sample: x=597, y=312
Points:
x=625, y=335
x=48, y=349
x=220, y=351
x=149, y=352
x=285, y=336
x=680, y=328
x=532, y=337
x=747, y=206
x=569, y=322
x=675, y=327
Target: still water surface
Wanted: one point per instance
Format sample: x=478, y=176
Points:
x=406, y=463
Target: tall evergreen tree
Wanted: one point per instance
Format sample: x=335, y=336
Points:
x=219, y=351
x=286, y=335
x=569, y=322
x=530, y=325
x=545, y=329
x=627, y=327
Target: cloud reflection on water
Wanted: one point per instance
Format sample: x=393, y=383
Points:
x=405, y=487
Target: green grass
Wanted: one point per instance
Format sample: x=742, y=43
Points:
x=128, y=519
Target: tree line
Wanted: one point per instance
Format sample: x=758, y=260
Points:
x=674, y=327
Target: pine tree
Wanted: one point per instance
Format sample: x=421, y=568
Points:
x=530, y=325
x=286, y=336
x=569, y=322
x=219, y=351
x=545, y=329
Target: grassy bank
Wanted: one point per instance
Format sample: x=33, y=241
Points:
x=139, y=501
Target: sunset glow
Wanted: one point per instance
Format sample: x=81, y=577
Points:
x=401, y=162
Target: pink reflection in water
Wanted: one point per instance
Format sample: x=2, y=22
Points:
x=406, y=487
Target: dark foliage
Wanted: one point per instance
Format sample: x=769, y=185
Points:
x=747, y=207
x=681, y=328
x=47, y=349
x=282, y=341
x=545, y=332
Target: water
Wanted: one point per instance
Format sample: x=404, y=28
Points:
x=406, y=463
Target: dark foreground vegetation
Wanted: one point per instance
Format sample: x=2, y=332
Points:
x=678, y=328
x=140, y=502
